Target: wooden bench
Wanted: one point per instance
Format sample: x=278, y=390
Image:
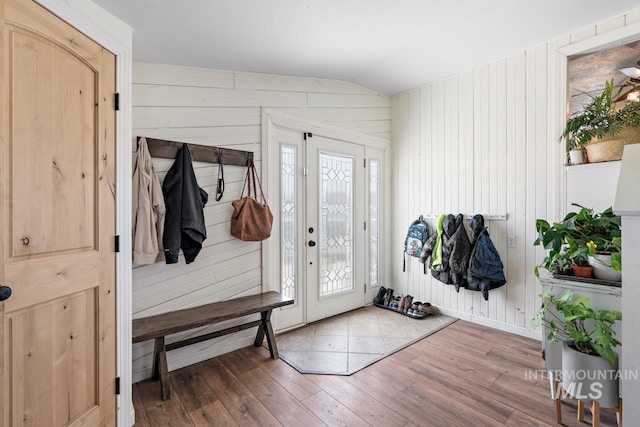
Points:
x=159, y=326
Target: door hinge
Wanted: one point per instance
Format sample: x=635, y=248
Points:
x=365, y=163
x=116, y=244
x=116, y=101
x=118, y=386
x=365, y=226
x=543, y=355
x=304, y=171
x=365, y=288
x=308, y=134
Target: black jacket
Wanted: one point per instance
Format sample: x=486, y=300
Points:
x=485, y=267
x=460, y=253
x=456, y=250
x=184, y=226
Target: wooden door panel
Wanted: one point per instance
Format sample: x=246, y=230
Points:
x=57, y=121
x=55, y=277
x=57, y=175
x=26, y=14
x=53, y=359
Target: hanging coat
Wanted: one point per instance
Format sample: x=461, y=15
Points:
x=460, y=253
x=148, y=209
x=184, y=223
x=451, y=266
x=485, y=267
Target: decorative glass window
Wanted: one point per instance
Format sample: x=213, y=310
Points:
x=336, y=231
x=289, y=225
x=374, y=222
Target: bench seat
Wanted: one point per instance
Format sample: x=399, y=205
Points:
x=159, y=326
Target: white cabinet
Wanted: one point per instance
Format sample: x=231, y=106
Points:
x=603, y=297
x=592, y=185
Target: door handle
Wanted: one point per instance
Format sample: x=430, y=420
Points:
x=5, y=292
x=312, y=243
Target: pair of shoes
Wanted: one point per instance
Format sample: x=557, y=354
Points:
x=428, y=308
x=379, y=299
x=388, y=297
x=401, y=303
x=395, y=303
x=414, y=307
x=405, y=303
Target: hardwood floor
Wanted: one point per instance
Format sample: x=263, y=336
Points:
x=463, y=375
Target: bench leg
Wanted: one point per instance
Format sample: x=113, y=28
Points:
x=266, y=329
x=160, y=370
x=158, y=347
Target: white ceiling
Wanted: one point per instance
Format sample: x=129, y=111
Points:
x=389, y=46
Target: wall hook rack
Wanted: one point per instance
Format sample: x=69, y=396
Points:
x=199, y=153
x=487, y=217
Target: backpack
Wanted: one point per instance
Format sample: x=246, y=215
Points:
x=417, y=236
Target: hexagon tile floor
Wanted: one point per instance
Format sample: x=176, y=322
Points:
x=344, y=344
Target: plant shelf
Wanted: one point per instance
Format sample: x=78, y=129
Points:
x=587, y=280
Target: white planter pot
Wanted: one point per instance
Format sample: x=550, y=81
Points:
x=601, y=269
x=577, y=157
x=590, y=378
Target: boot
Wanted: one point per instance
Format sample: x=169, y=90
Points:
x=379, y=299
x=407, y=303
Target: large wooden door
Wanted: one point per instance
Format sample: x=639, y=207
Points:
x=57, y=223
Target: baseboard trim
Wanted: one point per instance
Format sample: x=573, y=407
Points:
x=480, y=320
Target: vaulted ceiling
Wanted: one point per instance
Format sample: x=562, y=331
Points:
x=389, y=46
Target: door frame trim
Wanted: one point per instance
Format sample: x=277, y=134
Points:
x=272, y=119
x=117, y=37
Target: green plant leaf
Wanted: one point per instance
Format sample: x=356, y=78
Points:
x=616, y=261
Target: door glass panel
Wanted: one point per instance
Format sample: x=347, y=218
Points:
x=336, y=223
x=288, y=208
x=374, y=227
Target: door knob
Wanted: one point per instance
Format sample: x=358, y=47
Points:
x=5, y=292
x=312, y=243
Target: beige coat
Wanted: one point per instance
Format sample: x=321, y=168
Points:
x=148, y=209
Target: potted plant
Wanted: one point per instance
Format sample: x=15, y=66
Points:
x=560, y=241
x=580, y=266
x=603, y=126
x=589, y=361
x=597, y=237
x=562, y=263
x=582, y=235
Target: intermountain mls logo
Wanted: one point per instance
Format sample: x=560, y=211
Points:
x=581, y=384
x=575, y=390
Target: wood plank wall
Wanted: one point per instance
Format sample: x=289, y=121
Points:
x=223, y=109
x=485, y=141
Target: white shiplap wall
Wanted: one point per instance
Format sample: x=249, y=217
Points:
x=485, y=141
x=223, y=108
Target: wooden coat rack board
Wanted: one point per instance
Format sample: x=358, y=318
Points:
x=199, y=153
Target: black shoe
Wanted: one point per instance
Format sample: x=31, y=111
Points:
x=379, y=299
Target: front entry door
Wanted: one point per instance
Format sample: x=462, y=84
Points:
x=335, y=199
x=57, y=223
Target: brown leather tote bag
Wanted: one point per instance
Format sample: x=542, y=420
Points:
x=251, y=220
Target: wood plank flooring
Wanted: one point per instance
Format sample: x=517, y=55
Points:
x=463, y=375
